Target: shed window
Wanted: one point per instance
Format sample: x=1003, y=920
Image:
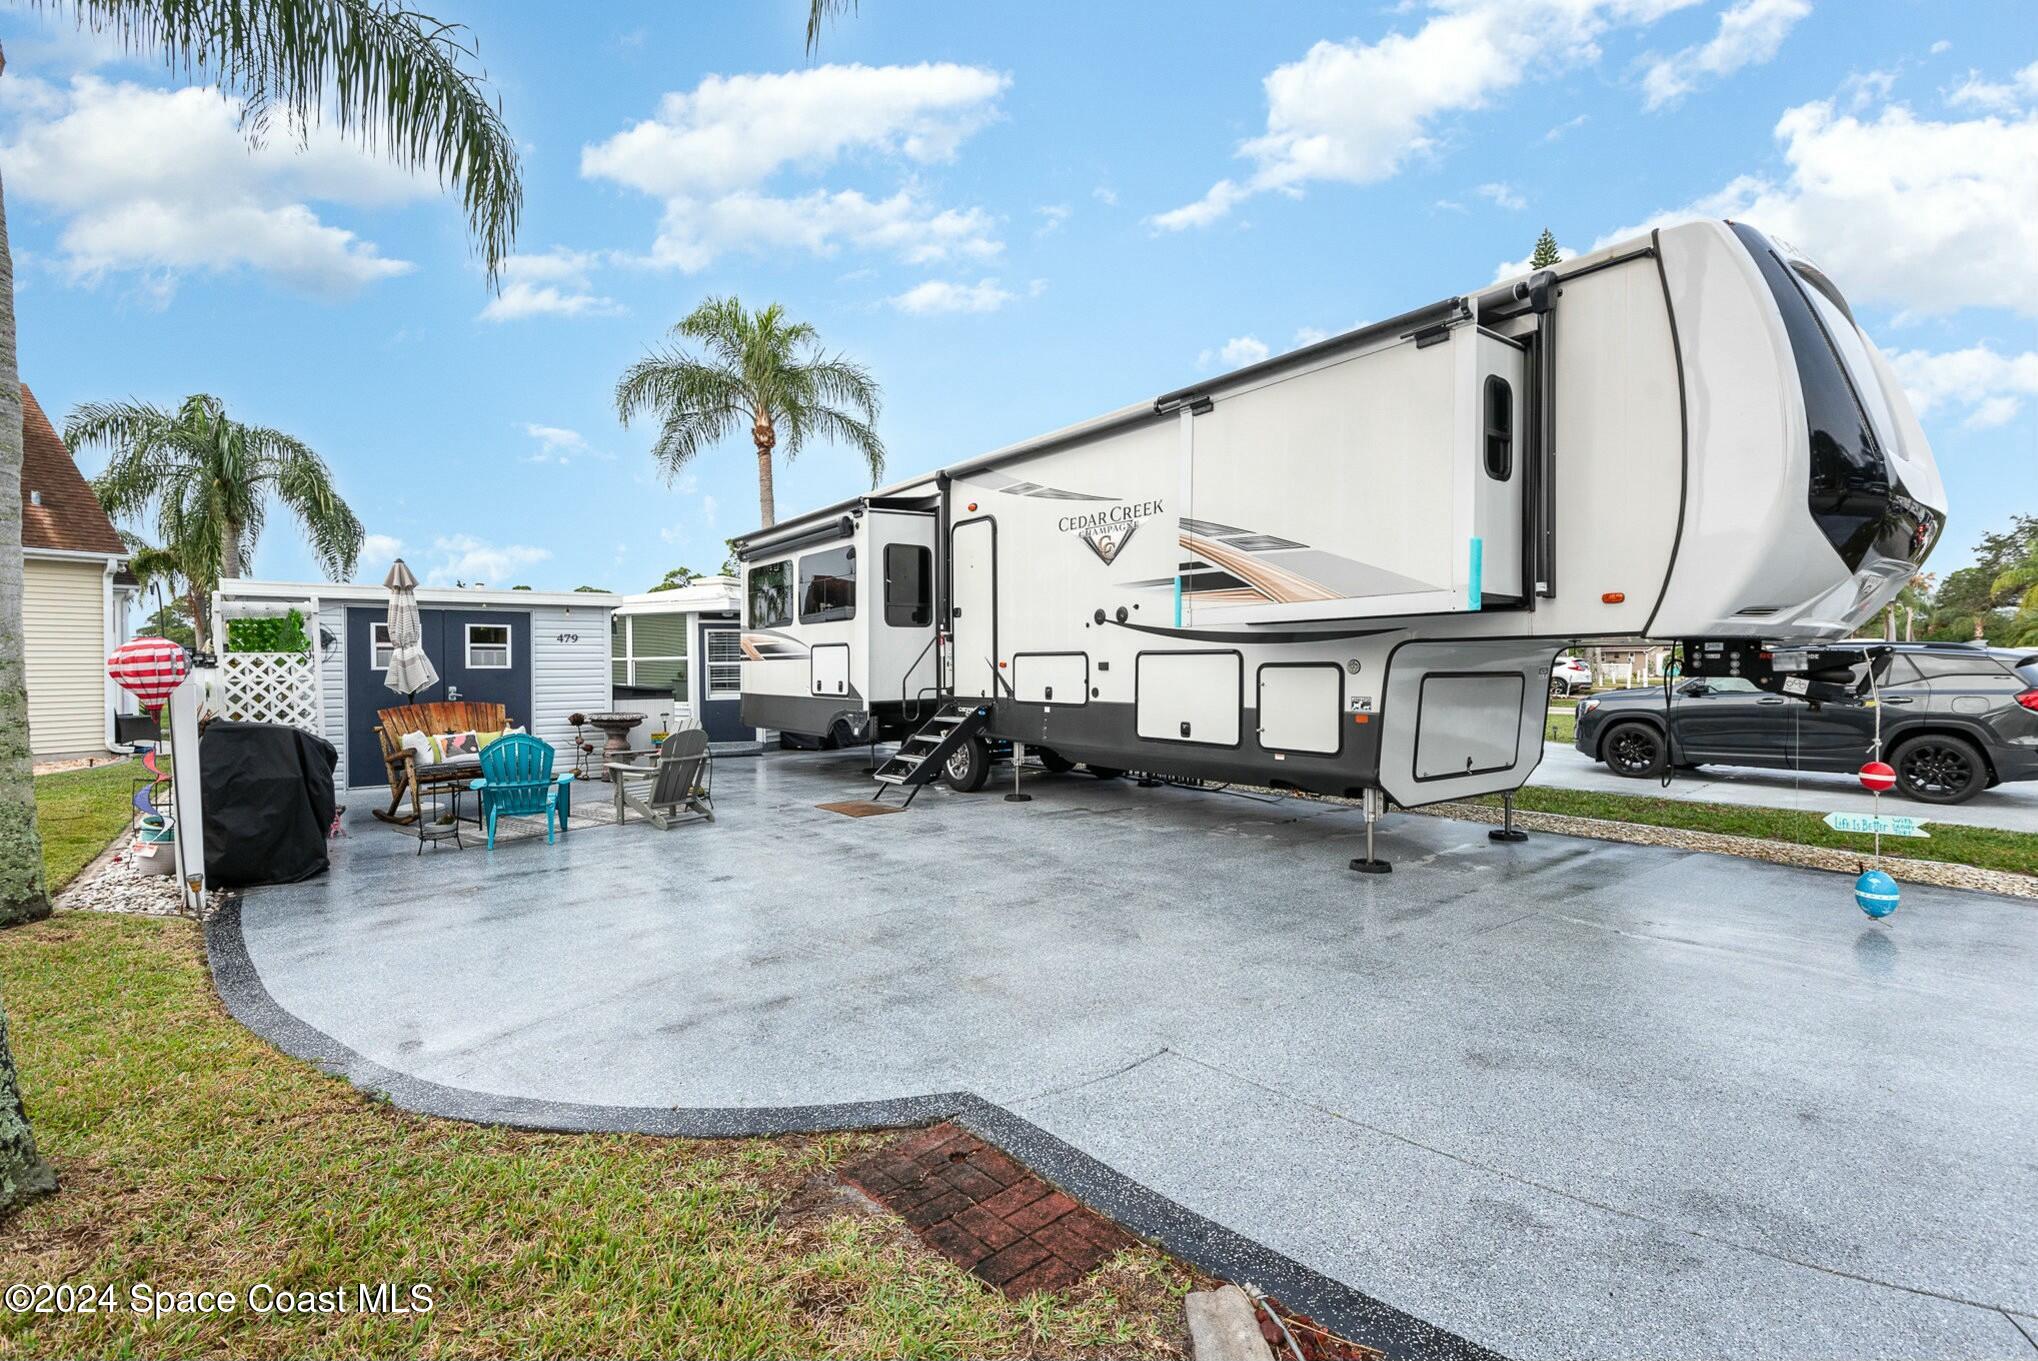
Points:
x=828, y=585
x=909, y=585
x=1499, y=428
x=488, y=647
x=651, y=652
x=771, y=595
x=725, y=663
x=383, y=649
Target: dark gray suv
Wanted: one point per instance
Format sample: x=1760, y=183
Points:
x=1955, y=720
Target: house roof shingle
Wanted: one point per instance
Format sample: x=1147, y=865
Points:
x=69, y=516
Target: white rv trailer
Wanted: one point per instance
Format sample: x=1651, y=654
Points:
x=1347, y=569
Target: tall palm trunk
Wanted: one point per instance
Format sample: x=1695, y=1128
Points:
x=766, y=437
x=230, y=551
x=22, y=895
x=23, y=1173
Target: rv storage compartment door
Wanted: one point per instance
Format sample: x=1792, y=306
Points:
x=1051, y=677
x=1467, y=724
x=1189, y=696
x=831, y=668
x=1342, y=491
x=1301, y=706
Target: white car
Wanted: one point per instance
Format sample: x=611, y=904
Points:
x=1569, y=674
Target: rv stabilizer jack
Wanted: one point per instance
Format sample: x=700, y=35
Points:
x=1507, y=831
x=1372, y=804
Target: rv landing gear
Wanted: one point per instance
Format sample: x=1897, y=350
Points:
x=1506, y=831
x=1372, y=803
x=1018, y=759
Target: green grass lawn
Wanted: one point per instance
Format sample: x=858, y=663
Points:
x=194, y=1156
x=78, y=812
x=1982, y=847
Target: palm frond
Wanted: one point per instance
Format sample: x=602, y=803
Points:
x=820, y=11
x=395, y=79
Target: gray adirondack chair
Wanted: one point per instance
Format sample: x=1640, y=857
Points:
x=678, y=781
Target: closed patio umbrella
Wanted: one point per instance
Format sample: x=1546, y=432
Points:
x=410, y=670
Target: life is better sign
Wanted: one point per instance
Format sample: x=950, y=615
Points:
x=1870, y=823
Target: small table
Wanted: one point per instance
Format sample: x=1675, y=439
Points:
x=618, y=727
x=431, y=829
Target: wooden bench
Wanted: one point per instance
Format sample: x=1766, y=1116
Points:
x=406, y=776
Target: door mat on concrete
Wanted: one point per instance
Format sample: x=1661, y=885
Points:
x=861, y=808
x=985, y=1212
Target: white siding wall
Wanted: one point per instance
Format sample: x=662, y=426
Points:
x=569, y=672
x=332, y=683
x=63, y=635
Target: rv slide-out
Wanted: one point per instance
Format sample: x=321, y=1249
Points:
x=1348, y=568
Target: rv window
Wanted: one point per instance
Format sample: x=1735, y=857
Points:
x=909, y=585
x=771, y=595
x=1499, y=429
x=828, y=585
x=488, y=647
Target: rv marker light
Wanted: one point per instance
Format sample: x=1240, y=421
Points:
x=1613, y=597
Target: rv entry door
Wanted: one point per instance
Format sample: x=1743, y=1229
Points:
x=1498, y=469
x=973, y=601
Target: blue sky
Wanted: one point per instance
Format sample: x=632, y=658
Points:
x=1016, y=216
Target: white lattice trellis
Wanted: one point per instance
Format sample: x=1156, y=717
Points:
x=272, y=687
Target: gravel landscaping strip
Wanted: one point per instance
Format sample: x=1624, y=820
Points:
x=1933, y=872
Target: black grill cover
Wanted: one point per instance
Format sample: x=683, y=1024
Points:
x=268, y=802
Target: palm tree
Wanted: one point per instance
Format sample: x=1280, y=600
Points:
x=397, y=80
x=2019, y=586
x=759, y=368
x=211, y=479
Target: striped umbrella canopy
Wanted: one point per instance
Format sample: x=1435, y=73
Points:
x=148, y=668
x=410, y=670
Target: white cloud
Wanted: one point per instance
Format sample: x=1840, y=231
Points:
x=1568, y=125
x=709, y=155
x=1105, y=195
x=695, y=231
x=1309, y=335
x=1502, y=196
x=463, y=557
x=938, y=295
x=194, y=194
x=553, y=283
x=1941, y=46
x=1996, y=96
x=377, y=552
x=1926, y=216
x=1052, y=216
x=1990, y=387
x=1355, y=112
x=1750, y=33
x=1235, y=353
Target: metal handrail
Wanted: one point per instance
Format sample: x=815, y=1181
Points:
x=913, y=666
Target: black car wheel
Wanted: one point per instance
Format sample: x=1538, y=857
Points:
x=968, y=767
x=1104, y=772
x=1055, y=763
x=1634, y=750
x=1936, y=769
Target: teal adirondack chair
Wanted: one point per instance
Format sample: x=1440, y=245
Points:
x=516, y=778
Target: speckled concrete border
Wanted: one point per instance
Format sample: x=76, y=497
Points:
x=1140, y=1210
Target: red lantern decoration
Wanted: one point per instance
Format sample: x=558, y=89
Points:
x=149, y=669
x=1877, y=777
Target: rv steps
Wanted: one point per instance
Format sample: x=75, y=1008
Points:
x=922, y=756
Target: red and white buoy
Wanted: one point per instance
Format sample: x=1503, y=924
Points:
x=1878, y=777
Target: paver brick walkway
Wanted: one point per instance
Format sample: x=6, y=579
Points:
x=985, y=1212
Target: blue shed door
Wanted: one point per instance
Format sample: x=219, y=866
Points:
x=481, y=655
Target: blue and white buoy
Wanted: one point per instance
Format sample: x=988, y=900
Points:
x=1876, y=892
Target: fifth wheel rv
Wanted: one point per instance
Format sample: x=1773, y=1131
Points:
x=1347, y=569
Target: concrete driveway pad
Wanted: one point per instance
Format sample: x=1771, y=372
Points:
x=1566, y=1098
